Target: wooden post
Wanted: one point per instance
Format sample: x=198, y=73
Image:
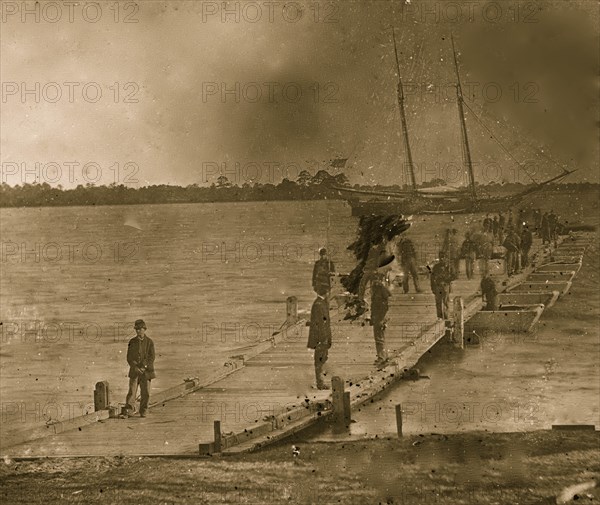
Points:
x=399, y=419
x=337, y=397
x=291, y=305
x=101, y=396
x=217, y=431
x=458, y=328
x=347, y=409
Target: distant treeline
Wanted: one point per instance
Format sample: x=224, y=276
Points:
x=318, y=187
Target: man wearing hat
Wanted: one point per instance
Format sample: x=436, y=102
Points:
x=408, y=261
x=380, y=294
x=319, y=334
x=140, y=356
x=322, y=271
x=441, y=279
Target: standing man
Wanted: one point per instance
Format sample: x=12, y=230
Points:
x=495, y=229
x=511, y=243
x=452, y=251
x=485, y=250
x=319, y=334
x=553, y=225
x=469, y=253
x=489, y=293
x=501, y=227
x=408, y=261
x=545, y=226
x=509, y=219
x=322, y=272
x=441, y=278
x=140, y=356
x=487, y=224
x=380, y=294
x=538, y=222
x=376, y=251
x=526, y=243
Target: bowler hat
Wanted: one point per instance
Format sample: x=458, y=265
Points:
x=139, y=324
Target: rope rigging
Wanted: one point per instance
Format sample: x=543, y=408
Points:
x=519, y=164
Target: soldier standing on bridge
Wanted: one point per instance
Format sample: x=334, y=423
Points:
x=380, y=294
x=452, y=251
x=319, y=334
x=487, y=224
x=469, y=253
x=408, y=261
x=526, y=243
x=512, y=244
x=545, y=226
x=441, y=278
x=140, y=357
x=495, y=229
x=553, y=225
x=501, y=227
x=489, y=293
x=322, y=271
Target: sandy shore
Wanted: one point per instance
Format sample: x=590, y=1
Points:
x=473, y=468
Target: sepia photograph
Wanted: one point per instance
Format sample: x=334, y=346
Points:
x=267, y=252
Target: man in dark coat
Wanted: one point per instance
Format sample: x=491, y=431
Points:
x=380, y=295
x=545, y=225
x=489, y=293
x=487, y=224
x=322, y=271
x=451, y=251
x=495, y=229
x=526, y=243
x=319, y=334
x=553, y=225
x=538, y=222
x=469, y=253
x=408, y=261
x=441, y=278
x=140, y=357
x=501, y=227
x=512, y=243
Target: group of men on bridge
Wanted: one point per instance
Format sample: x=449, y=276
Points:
x=515, y=235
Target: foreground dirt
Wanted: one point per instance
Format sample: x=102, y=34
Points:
x=475, y=468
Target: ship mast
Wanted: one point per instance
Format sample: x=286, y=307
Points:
x=461, y=114
x=403, y=119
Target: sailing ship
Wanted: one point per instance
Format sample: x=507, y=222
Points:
x=435, y=200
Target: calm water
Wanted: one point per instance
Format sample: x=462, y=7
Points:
x=207, y=279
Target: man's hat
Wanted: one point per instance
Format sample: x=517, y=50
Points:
x=321, y=289
x=139, y=324
x=322, y=251
x=384, y=261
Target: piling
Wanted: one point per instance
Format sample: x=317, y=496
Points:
x=291, y=305
x=399, y=419
x=337, y=399
x=101, y=396
x=458, y=327
x=217, y=431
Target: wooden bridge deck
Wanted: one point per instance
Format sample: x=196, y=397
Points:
x=272, y=383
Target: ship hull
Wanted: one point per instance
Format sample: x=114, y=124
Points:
x=413, y=205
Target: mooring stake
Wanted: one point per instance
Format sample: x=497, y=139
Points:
x=399, y=419
x=217, y=431
x=101, y=396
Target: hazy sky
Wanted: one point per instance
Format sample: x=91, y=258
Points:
x=308, y=82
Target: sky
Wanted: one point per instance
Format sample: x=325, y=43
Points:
x=183, y=92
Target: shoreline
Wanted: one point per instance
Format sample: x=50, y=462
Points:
x=479, y=467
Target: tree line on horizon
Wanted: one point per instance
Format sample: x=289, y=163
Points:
x=321, y=186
